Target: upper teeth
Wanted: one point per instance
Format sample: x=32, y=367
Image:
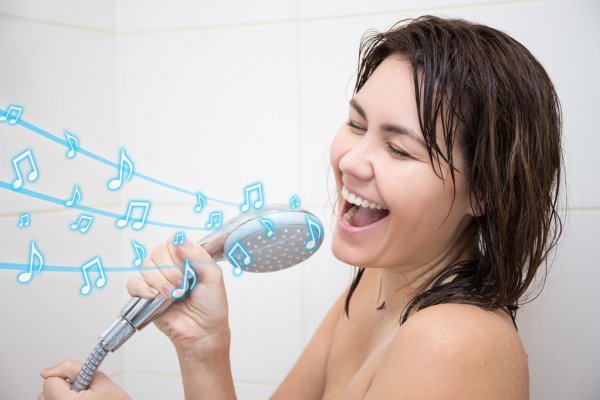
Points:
x=354, y=199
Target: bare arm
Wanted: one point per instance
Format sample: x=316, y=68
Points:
x=306, y=380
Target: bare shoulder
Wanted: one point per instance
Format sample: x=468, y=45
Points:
x=453, y=351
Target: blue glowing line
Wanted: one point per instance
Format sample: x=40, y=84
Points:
x=103, y=160
x=61, y=202
x=57, y=268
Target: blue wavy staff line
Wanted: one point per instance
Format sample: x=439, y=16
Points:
x=92, y=210
x=58, y=268
x=103, y=160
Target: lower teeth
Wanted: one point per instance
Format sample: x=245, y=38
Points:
x=349, y=214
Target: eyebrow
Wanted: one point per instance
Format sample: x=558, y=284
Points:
x=402, y=130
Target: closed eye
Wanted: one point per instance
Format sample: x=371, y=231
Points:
x=391, y=148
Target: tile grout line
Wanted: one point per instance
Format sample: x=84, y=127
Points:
x=283, y=20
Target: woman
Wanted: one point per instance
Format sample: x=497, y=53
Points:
x=447, y=174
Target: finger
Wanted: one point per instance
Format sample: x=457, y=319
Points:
x=154, y=275
x=66, y=369
x=137, y=286
x=207, y=270
x=172, y=264
x=57, y=389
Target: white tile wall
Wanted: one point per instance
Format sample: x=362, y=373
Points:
x=94, y=14
x=212, y=97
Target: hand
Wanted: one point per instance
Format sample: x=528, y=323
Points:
x=58, y=379
x=197, y=325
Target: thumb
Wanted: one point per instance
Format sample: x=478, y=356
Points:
x=201, y=261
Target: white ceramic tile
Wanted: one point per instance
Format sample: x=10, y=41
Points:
x=97, y=14
x=328, y=74
x=47, y=319
x=319, y=9
x=212, y=110
x=136, y=15
x=144, y=386
x=59, y=89
x=558, y=329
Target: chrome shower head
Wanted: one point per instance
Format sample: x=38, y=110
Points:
x=267, y=240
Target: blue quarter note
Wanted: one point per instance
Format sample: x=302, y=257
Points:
x=201, y=202
x=73, y=144
x=75, y=197
x=140, y=252
x=126, y=171
x=187, y=283
x=243, y=256
x=35, y=257
x=268, y=224
x=314, y=229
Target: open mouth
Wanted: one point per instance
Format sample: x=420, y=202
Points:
x=359, y=217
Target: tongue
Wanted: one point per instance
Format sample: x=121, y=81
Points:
x=366, y=216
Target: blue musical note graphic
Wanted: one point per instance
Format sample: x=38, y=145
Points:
x=201, y=202
x=32, y=176
x=24, y=220
x=11, y=110
x=35, y=257
x=312, y=227
x=75, y=197
x=179, y=239
x=179, y=293
x=268, y=224
x=294, y=202
x=138, y=223
x=140, y=252
x=249, y=190
x=243, y=255
x=73, y=144
x=125, y=166
x=214, y=220
x=83, y=224
x=100, y=282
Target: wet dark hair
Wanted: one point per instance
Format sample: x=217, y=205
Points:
x=495, y=101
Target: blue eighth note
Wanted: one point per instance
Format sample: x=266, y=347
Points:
x=187, y=283
x=140, y=252
x=73, y=144
x=268, y=224
x=32, y=176
x=23, y=221
x=201, y=198
x=100, y=282
x=235, y=261
x=248, y=191
x=12, y=109
x=35, y=257
x=312, y=227
x=75, y=197
x=125, y=165
x=179, y=239
x=83, y=224
x=138, y=224
x=294, y=202
x=214, y=220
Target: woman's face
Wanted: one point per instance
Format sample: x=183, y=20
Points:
x=391, y=168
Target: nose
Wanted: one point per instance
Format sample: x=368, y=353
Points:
x=357, y=161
